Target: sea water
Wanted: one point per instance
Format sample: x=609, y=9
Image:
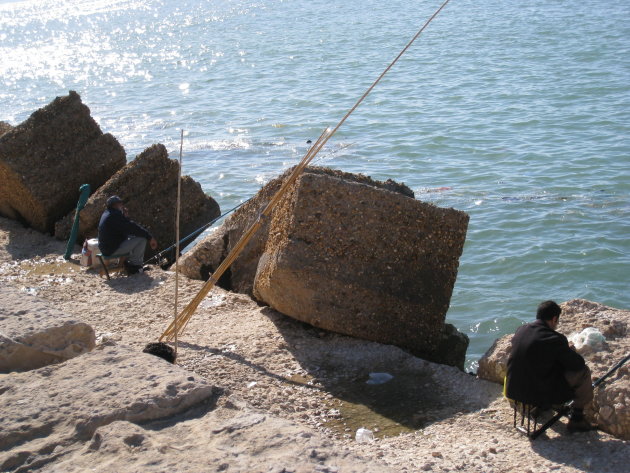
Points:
x=517, y=113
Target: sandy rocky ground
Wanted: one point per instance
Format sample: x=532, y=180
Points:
x=427, y=418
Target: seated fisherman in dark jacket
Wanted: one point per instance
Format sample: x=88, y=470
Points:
x=543, y=370
x=117, y=234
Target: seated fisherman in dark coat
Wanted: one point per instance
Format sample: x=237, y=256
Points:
x=118, y=234
x=543, y=370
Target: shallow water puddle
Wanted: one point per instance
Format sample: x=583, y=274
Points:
x=50, y=268
x=408, y=402
x=301, y=379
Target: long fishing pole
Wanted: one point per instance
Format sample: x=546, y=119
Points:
x=189, y=310
x=565, y=409
x=196, y=233
x=612, y=370
x=177, y=215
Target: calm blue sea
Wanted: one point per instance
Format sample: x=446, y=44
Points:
x=515, y=112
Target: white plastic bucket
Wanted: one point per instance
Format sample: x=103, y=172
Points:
x=89, y=252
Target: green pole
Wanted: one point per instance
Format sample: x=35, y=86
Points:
x=85, y=194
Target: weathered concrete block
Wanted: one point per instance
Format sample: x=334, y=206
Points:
x=611, y=406
x=207, y=255
x=148, y=186
x=44, y=161
x=62, y=404
x=363, y=261
x=34, y=334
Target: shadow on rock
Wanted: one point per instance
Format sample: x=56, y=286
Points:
x=132, y=284
x=240, y=359
x=584, y=451
x=417, y=394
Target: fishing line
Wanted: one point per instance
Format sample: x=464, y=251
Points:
x=195, y=233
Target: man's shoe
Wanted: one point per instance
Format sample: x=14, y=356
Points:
x=581, y=425
x=132, y=268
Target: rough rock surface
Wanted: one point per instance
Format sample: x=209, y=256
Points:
x=611, y=406
x=4, y=127
x=34, y=334
x=44, y=410
x=429, y=417
x=363, y=261
x=493, y=364
x=451, y=348
x=207, y=255
x=44, y=161
x=148, y=186
x=226, y=439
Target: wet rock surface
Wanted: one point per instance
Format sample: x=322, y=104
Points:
x=34, y=334
x=148, y=187
x=44, y=161
x=363, y=261
x=611, y=406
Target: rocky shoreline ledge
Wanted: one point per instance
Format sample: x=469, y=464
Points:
x=357, y=266
x=253, y=390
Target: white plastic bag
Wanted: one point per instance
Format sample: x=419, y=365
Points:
x=589, y=339
x=379, y=378
x=364, y=435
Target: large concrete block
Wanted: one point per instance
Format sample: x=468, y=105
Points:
x=45, y=410
x=611, y=406
x=364, y=261
x=34, y=334
x=44, y=161
x=208, y=254
x=148, y=186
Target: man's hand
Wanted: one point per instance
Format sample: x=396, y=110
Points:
x=153, y=243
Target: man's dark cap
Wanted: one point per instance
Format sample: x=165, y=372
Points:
x=112, y=201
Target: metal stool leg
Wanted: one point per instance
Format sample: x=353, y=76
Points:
x=104, y=266
x=515, y=410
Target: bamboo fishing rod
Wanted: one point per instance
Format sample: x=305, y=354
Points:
x=177, y=326
x=177, y=218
